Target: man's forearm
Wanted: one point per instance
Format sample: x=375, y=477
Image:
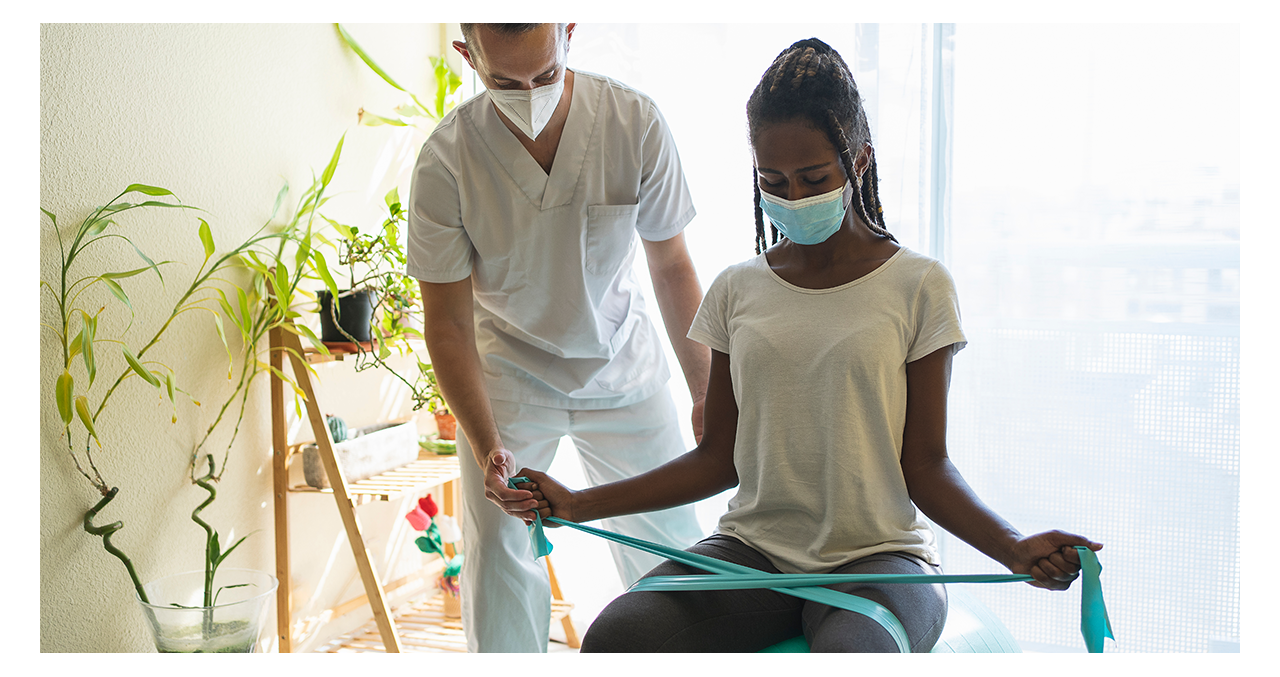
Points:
x=451, y=343
x=679, y=294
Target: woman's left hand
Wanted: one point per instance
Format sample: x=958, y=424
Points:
x=1050, y=558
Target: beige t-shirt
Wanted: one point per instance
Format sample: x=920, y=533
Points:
x=820, y=377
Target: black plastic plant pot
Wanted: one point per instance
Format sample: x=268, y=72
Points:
x=354, y=313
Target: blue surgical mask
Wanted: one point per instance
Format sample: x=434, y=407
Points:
x=811, y=220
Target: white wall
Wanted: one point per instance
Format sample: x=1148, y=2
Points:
x=222, y=115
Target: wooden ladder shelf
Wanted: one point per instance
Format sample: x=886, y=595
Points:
x=416, y=476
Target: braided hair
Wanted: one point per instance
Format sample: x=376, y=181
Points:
x=811, y=82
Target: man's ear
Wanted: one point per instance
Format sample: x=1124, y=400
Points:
x=568, y=34
x=461, y=47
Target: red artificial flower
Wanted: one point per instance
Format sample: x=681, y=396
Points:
x=419, y=520
x=428, y=506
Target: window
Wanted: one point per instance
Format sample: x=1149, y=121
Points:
x=1094, y=238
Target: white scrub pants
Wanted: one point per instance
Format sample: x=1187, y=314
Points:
x=506, y=596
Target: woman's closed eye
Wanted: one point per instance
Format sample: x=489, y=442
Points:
x=780, y=182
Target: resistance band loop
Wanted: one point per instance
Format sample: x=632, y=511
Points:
x=1094, y=623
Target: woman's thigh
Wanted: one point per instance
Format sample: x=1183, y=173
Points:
x=698, y=620
x=921, y=608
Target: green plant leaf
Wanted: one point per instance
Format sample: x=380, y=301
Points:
x=343, y=230
x=64, y=396
x=86, y=347
x=128, y=273
x=82, y=412
x=150, y=264
x=157, y=203
x=296, y=390
x=229, y=312
x=153, y=191
x=447, y=82
x=282, y=284
x=372, y=120
x=138, y=369
x=222, y=334
x=243, y=300
x=284, y=190
x=333, y=163
x=214, y=549
x=322, y=268
x=95, y=227
x=226, y=553
x=51, y=217
x=304, y=250
x=206, y=238
x=169, y=388
x=393, y=196
x=305, y=331
x=346, y=37
x=117, y=291
x=74, y=348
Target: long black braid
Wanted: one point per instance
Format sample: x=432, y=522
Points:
x=809, y=80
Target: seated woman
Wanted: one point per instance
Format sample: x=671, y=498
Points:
x=826, y=407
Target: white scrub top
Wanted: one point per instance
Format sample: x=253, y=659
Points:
x=560, y=318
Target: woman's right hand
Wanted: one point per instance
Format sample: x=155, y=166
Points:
x=554, y=499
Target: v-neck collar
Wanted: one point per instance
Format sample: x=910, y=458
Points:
x=543, y=190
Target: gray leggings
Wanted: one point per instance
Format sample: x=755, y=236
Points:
x=751, y=620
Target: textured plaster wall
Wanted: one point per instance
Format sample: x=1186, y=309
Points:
x=222, y=115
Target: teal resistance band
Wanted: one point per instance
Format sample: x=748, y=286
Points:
x=1094, y=623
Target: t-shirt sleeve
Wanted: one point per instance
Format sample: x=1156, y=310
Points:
x=710, y=325
x=665, y=205
x=937, y=315
x=439, y=248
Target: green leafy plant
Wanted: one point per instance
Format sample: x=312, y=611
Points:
x=374, y=259
x=81, y=342
x=413, y=112
x=273, y=296
x=265, y=302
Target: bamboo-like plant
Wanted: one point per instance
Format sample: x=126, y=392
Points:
x=81, y=342
x=260, y=306
x=277, y=258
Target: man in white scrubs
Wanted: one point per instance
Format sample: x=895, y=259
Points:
x=527, y=204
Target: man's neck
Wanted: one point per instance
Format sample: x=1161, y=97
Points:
x=543, y=149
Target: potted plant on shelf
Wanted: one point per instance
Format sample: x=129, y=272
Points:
x=374, y=259
x=441, y=534
x=201, y=612
x=444, y=441
x=362, y=452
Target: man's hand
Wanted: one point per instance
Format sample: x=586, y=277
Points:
x=518, y=503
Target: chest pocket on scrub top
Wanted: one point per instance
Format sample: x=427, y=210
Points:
x=610, y=229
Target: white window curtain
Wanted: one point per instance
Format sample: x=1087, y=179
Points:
x=1081, y=183
x=1095, y=244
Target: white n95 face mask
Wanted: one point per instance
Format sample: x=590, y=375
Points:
x=529, y=109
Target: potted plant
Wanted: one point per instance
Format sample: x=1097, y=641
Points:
x=375, y=303
x=446, y=424
x=362, y=452
x=80, y=341
x=440, y=534
x=373, y=259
